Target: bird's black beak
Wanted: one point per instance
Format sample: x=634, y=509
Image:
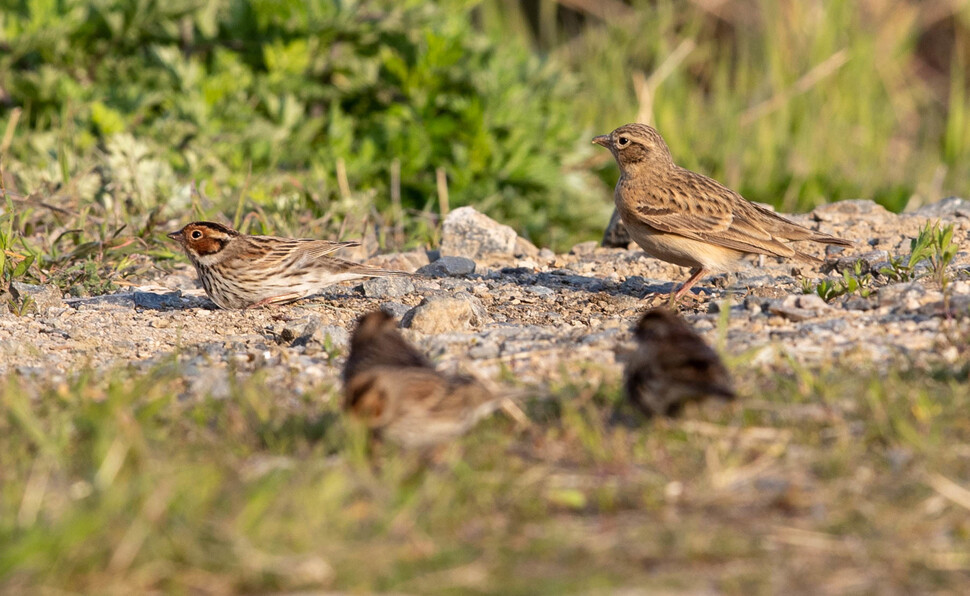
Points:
x=174, y=235
x=603, y=140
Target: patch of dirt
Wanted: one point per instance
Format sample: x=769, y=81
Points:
x=545, y=314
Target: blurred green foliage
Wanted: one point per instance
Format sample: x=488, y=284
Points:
x=794, y=103
x=214, y=90
x=301, y=114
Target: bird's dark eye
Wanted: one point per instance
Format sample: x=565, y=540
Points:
x=622, y=141
x=196, y=234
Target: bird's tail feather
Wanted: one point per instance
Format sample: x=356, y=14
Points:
x=826, y=239
x=807, y=258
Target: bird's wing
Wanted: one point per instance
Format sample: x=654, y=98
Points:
x=315, y=249
x=710, y=213
x=302, y=253
x=320, y=250
x=271, y=251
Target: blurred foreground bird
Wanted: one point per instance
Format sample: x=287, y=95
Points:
x=397, y=391
x=688, y=219
x=242, y=271
x=672, y=366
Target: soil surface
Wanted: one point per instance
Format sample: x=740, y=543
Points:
x=495, y=305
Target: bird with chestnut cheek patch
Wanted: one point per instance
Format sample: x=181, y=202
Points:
x=242, y=271
x=688, y=219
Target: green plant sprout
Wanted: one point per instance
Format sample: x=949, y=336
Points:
x=855, y=282
x=933, y=244
x=943, y=250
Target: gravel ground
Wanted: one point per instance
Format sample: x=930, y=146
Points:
x=488, y=302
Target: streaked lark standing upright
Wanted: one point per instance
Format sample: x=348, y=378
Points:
x=688, y=219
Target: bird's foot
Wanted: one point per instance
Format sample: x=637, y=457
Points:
x=677, y=300
x=652, y=299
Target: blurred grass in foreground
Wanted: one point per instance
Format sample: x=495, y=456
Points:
x=840, y=480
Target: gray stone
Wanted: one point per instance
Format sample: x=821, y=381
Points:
x=387, y=287
x=902, y=294
x=42, y=298
x=298, y=331
x=332, y=335
x=754, y=304
x=448, y=266
x=468, y=233
x=858, y=304
x=52, y=327
x=395, y=309
x=812, y=302
x=792, y=314
x=484, y=350
x=443, y=314
x=714, y=307
x=832, y=250
x=584, y=248
x=947, y=208
x=427, y=285
x=539, y=290
x=605, y=336
x=521, y=274
x=153, y=301
x=640, y=287
x=634, y=286
x=957, y=307
x=866, y=263
x=524, y=248
x=120, y=300
x=849, y=210
x=798, y=307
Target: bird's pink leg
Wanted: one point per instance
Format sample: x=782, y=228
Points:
x=695, y=275
x=282, y=298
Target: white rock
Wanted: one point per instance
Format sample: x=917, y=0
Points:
x=468, y=233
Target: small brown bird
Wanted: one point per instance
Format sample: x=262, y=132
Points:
x=242, y=271
x=672, y=366
x=377, y=342
x=688, y=219
x=400, y=395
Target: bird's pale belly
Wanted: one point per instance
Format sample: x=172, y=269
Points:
x=680, y=250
